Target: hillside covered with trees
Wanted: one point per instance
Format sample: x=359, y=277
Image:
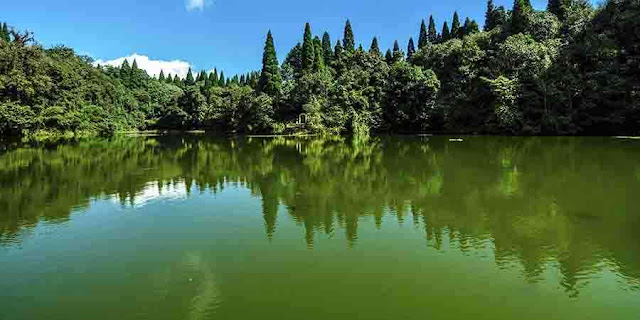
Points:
x=571, y=69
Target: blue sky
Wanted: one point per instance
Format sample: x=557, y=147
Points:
x=228, y=34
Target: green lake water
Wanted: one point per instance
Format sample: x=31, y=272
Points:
x=196, y=227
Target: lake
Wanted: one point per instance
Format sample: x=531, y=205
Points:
x=197, y=227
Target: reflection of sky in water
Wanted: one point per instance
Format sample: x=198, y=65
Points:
x=154, y=192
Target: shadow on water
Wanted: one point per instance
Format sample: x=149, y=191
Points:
x=568, y=201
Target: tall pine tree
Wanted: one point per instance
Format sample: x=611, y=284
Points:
x=432, y=33
x=423, y=38
x=490, y=16
x=189, y=79
x=318, y=61
x=375, y=48
x=455, y=26
x=519, y=16
x=445, y=32
x=388, y=56
x=161, y=76
x=398, y=55
x=221, y=81
x=326, y=48
x=308, y=54
x=337, y=51
x=349, y=42
x=411, y=49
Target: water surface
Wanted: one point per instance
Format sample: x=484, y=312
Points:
x=194, y=227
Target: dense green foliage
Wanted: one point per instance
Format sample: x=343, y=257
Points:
x=573, y=69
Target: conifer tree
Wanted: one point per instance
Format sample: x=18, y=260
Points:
x=4, y=32
x=423, y=39
x=221, y=81
x=326, y=48
x=388, y=56
x=213, y=78
x=308, y=54
x=169, y=79
x=410, y=48
x=125, y=72
x=207, y=83
x=349, y=42
x=432, y=33
x=318, y=61
x=557, y=7
x=471, y=27
x=445, y=32
x=375, y=48
x=489, y=16
x=398, y=55
x=189, y=79
x=519, y=16
x=242, y=80
x=337, y=51
x=176, y=80
x=455, y=26
x=270, y=78
x=161, y=76
x=527, y=4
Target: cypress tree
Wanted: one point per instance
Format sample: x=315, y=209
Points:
x=207, y=83
x=337, y=51
x=375, y=48
x=318, y=61
x=489, y=16
x=455, y=26
x=556, y=7
x=398, y=55
x=410, y=48
x=349, y=42
x=388, y=56
x=519, y=16
x=161, y=76
x=169, y=79
x=213, y=78
x=189, y=79
x=423, y=39
x=432, y=33
x=445, y=32
x=326, y=48
x=472, y=27
x=308, y=54
x=4, y=32
x=125, y=72
x=176, y=80
x=221, y=81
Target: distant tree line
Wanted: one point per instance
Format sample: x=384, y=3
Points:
x=570, y=69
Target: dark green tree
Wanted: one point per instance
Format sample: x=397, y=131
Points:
x=411, y=49
x=349, y=42
x=4, y=32
x=432, y=33
x=161, y=76
x=222, y=79
x=519, y=16
x=189, y=81
x=337, y=51
x=270, y=78
x=169, y=78
x=318, y=61
x=445, y=32
x=213, y=78
x=456, y=32
x=388, y=56
x=308, y=54
x=177, y=81
x=326, y=48
x=490, y=16
x=557, y=7
x=397, y=54
x=375, y=48
x=423, y=39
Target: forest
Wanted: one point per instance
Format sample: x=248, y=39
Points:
x=572, y=69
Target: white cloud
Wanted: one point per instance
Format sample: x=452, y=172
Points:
x=152, y=67
x=197, y=4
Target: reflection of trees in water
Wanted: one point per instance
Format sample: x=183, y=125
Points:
x=538, y=201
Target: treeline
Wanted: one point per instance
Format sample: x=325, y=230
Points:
x=571, y=69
